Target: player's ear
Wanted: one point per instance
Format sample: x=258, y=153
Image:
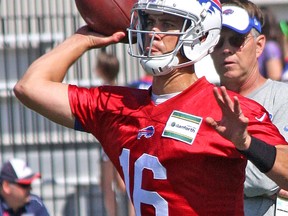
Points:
x=260, y=44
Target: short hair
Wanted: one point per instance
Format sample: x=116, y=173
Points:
x=108, y=64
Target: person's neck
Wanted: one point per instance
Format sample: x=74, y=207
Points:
x=173, y=82
x=245, y=86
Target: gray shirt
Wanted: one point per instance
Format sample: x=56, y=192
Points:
x=258, y=188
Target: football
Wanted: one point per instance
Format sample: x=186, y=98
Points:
x=106, y=16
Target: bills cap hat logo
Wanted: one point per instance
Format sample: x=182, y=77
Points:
x=238, y=20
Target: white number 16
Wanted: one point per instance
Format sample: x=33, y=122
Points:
x=140, y=195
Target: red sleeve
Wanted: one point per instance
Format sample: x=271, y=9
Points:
x=82, y=105
x=260, y=125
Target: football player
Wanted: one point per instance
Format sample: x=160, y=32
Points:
x=180, y=146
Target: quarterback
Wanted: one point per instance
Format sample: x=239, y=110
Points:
x=182, y=145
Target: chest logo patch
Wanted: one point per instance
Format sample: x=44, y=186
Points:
x=146, y=132
x=182, y=126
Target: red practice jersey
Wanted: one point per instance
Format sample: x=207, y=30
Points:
x=172, y=162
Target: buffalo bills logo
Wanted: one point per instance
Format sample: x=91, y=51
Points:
x=228, y=12
x=215, y=4
x=146, y=132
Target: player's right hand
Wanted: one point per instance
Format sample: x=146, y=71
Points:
x=96, y=40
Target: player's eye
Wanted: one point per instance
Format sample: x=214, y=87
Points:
x=168, y=26
x=149, y=24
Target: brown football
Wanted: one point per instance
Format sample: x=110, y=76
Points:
x=106, y=16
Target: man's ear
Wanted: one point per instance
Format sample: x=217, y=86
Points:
x=6, y=187
x=260, y=44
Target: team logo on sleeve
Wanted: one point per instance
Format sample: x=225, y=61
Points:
x=182, y=126
x=146, y=132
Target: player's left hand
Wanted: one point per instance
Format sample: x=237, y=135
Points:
x=233, y=125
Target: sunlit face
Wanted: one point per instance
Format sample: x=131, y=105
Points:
x=162, y=43
x=235, y=55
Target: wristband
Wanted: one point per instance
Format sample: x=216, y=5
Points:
x=261, y=154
